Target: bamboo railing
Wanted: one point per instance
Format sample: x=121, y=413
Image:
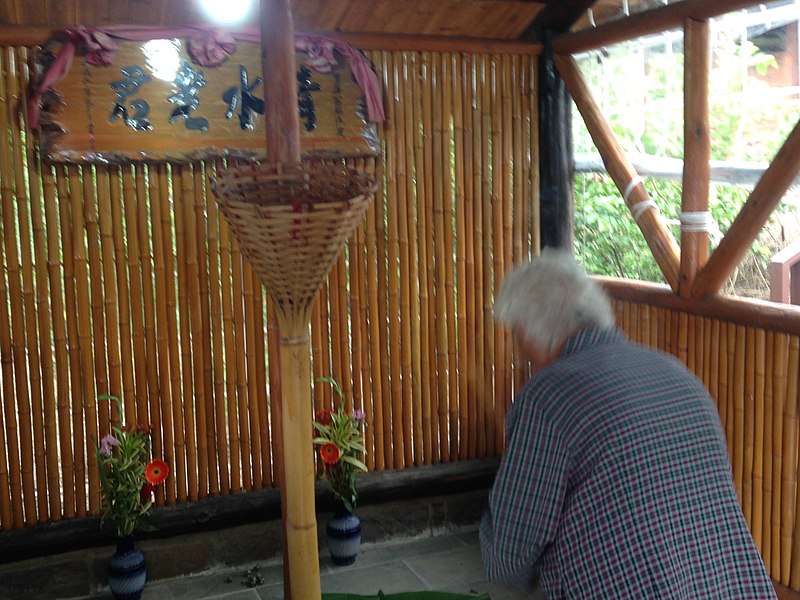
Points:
x=124, y=279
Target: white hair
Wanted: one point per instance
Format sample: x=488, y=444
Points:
x=550, y=298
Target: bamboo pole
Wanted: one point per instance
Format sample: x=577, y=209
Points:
x=751, y=418
x=751, y=218
x=771, y=446
x=15, y=285
x=54, y=245
x=470, y=287
x=498, y=244
x=196, y=418
x=71, y=312
x=356, y=281
x=789, y=479
x=780, y=387
x=457, y=92
x=336, y=325
x=168, y=494
x=697, y=144
x=83, y=413
x=740, y=431
x=261, y=383
x=423, y=390
x=251, y=341
x=345, y=357
x=176, y=391
x=208, y=425
x=123, y=287
x=479, y=148
x=520, y=225
x=234, y=443
x=241, y=370
x=27, y=196
x=763, y=446
x=663, y=246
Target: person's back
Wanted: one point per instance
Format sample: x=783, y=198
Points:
x=649, y=509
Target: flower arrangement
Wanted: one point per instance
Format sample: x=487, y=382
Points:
x=341, y=446
x=127, y=478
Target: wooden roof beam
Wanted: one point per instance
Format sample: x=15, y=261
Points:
x=558, y=16
x=671, y=16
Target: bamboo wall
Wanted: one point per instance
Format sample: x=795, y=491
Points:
x=126, y=280
x=752, y=373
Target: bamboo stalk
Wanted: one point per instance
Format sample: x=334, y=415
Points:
x=181, y=455
x=346, y=372
x=73, y=344
x=261, y=383
x=28, y=199
x=234, y=443
x=421, y=138
x=83, y=413
x=327, y=342
x=208, y=424
x=779, y=388
x=520, y=225
x=168, y=494
x=789, y=545
x=471, y=287
x=747, y=372
x=54, y=245
x=771, y=446
x=755, y=356
x=336, y=325
x=15, y=285
x=457, y=83
x=241, y=376
x=740, y=431
x=254, y=449
x=357, y=313
x=479, y=74
x=121, y=261
x=196, y=418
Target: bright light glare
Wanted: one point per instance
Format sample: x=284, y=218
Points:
x=162, y=58
x=227, y=11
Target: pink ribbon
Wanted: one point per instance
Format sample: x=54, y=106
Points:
x=208, y=47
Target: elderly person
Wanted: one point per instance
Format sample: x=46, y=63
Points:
x=615, y=482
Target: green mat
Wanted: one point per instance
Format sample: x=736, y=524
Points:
x=407, y=596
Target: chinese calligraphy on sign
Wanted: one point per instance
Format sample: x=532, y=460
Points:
x=136, y=109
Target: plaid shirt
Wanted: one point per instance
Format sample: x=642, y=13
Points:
x=616, y=483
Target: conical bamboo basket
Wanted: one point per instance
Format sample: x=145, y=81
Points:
x=291, y=221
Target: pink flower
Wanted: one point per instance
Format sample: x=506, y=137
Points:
x=107, y=444
x=359, y=415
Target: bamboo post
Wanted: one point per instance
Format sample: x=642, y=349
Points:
x=771, y=445
x=751, y=218
x=663, y=246
x=779, y=388
x=789, y=543
x=697, y=153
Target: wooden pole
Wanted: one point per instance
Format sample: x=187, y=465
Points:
x=697, y=152
x=301, y=553
x=662, y=244
x=748, y=223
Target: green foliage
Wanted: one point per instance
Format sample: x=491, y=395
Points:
x=341, y=442
x=122, y=458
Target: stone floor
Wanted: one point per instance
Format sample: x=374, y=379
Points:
x=449, y=562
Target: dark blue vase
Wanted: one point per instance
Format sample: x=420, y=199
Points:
x=344, y=536
x=127, y=572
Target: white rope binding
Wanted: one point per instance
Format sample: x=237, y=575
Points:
x=700, y=221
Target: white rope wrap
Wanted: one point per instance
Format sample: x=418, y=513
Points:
x=638, y=209
x=629, y=188
x=700, y=221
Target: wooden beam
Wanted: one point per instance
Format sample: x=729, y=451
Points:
x=556, y=16
x=659, y=239
x=748, y=223
x=392, y=42
x=657, y=20
x=782, y=318
x=697, y=150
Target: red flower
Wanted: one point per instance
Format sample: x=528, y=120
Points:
x=324, y=417
x=329, y=453
x=156, y=471
x=147, y=492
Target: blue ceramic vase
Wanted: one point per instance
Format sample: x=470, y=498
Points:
x=127, y=572
x=344, y=536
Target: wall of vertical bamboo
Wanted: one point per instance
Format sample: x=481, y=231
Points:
x=124, y=280
x=752, y=374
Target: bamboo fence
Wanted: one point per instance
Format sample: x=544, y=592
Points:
x=125, y=280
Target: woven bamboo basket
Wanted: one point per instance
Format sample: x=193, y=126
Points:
x=292, y=221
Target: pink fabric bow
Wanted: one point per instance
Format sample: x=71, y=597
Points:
x=211, y=47
x=98, y=45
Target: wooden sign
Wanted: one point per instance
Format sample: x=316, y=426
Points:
x=154, y=103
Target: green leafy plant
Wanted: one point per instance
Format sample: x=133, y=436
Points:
x=340, y=439
x=127, y=478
